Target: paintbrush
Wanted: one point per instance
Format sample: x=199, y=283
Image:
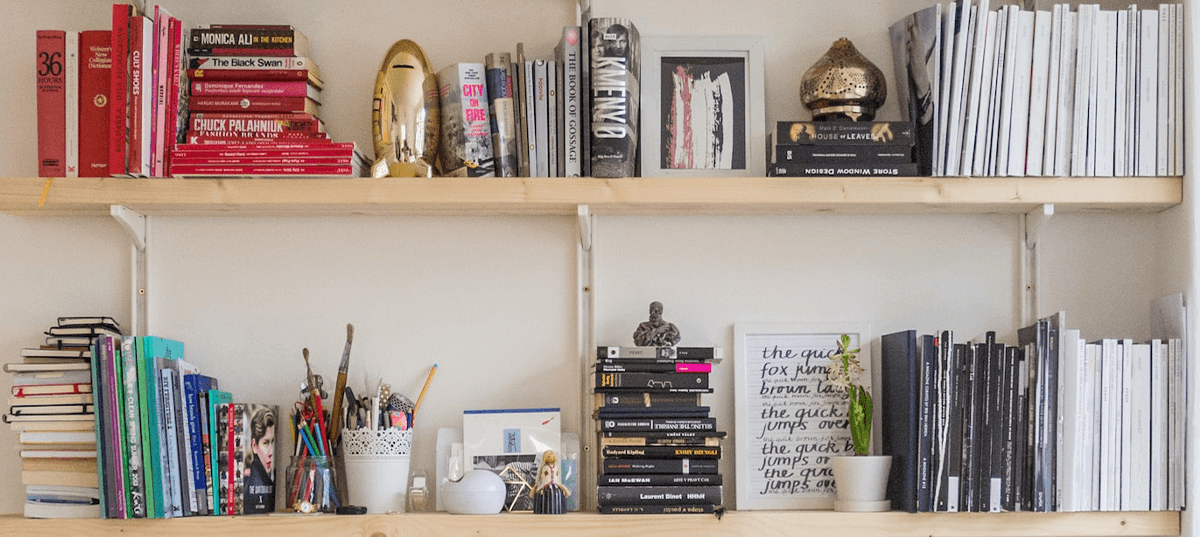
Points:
x=335, y=429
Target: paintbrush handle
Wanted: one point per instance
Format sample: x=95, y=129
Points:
x=335, y=429
x=335, y=419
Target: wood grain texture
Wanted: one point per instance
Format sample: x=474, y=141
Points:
x=734, y=523
x=561, y=196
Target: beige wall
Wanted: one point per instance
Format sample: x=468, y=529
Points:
x=493, y=300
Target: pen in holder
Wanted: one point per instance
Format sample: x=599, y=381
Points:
x=377, y=467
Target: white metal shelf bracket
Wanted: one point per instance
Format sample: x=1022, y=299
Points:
x=137, y=225
x=584, y=214
x=1032, y=224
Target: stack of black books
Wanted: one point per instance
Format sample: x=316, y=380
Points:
x=660, y=448
x=843, y=148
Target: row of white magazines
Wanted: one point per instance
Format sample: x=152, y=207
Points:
x=1059, y=92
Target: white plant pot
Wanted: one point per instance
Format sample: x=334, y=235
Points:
x=861, y=482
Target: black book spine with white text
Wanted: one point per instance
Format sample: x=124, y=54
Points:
x=659, y=424
x=672, y=495
x=646, y=399
x=623, y=441
x=661, y=452
x=659, y=480
x=666, y=382
x=658, y=466
x=656, y=509
x=651, y=366
x=649, y=435
x=857, y=168
x=636, y=412
x=825, y=154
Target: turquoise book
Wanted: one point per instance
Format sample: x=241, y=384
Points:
x=152, y=348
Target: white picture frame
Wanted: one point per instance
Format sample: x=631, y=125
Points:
x=731, y=68
x=787, y=421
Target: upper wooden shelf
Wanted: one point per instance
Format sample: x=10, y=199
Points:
x=562, y=196
x=734, y=524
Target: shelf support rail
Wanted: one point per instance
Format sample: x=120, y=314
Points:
x=585, y=263
x=1032, y=224
x=137, y=226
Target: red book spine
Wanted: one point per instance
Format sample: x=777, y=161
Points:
x=231, y=508
x=288, y=145
x=258, y=123
x=239, y=135
x=174, y=84
x=272, y=160
x=221, y=140
x=251, y=88
x=51, y=103
x=118, y=112
x=248, y=74
x=95, y=79
x=200, y=169
x=219, y=103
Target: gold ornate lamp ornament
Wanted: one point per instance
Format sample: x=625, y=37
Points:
x=405, y=114
x=843, y=85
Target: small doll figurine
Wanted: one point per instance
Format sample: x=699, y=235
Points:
x=549, y=496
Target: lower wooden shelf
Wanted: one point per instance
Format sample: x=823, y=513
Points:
x=733, y=523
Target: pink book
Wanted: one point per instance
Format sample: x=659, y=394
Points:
x=118, y=111
x=257, y=88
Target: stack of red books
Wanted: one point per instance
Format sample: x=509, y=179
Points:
x=255, y=96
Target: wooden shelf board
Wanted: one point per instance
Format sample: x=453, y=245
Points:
x=734, y=523
x=561, y=196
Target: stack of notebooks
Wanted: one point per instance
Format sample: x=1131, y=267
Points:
x=660, y=449
x=254, y=99
x=52, y=410
x=843, y=148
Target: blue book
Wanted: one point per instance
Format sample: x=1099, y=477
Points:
x=193, y=385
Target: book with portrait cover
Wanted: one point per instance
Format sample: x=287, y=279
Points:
x=466, y=148
x=613, y=55
x=245, y=446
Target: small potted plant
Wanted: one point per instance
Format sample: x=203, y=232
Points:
x=861, y=478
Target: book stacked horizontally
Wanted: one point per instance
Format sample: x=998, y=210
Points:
x=255, y=94
x=843, y=148
x=660, y=448
x=52, y=410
